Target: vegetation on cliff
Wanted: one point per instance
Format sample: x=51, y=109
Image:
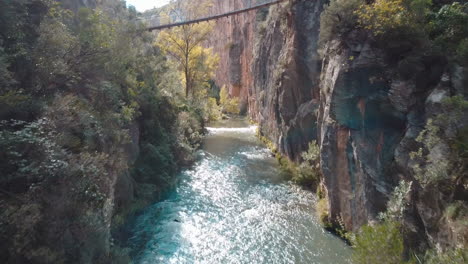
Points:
x=413, y=35
x=82, y=110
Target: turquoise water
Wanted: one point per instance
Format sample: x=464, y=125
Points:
x=234, y=206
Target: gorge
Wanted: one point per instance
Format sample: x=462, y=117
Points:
x=347, y=94
x=361, y=103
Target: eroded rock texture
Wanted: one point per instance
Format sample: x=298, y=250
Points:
x=232, y=40
x=284, y=98
x=364, y=118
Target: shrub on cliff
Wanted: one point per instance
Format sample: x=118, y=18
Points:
x=448, y=31
x=384, y=16
x=398, y=202
x=418, y=27
x=454, y=256
x=308, y=172
x=338, y=19
x=321, y=209
x=189, y=134
x=382, y=243
x=441, y=159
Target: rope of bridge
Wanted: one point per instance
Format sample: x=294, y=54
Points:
x=214, y=17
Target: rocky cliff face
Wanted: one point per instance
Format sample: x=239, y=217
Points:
x=285, y=96
x=232, y=40
x=269, y=59
x=364, y=119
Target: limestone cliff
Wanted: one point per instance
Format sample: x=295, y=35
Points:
x=364, y=119
x=284, y=98
x=232, y=40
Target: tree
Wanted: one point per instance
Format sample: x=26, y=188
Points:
x=184, y=44
x=383, y=16
x=229, y=105
x=338, y=18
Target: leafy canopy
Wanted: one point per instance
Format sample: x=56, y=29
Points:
x=183, y=44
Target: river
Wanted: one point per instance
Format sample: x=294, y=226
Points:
x=234, y=206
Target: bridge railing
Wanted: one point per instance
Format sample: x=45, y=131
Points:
x=171, y=15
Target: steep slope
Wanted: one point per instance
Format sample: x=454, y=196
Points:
x=284, y=98
x=232, y=40
x=86, y=138
x=364, y=116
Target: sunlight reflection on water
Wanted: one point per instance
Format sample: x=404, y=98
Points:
x=234, y=206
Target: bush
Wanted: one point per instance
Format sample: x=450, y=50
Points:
x=454, y=256
x=308, y=172
x=189, y=136
x=229, y=105
x=338, y=18
x=448, y=31
x=213, y=110
x=398, y=202
x=440, y=159
x=382, y=243
x=385, y=16
x=29, y=153
x=456, y=210
x=155, y=164
x=321, y=209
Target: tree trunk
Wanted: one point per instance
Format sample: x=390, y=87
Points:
x=187, y=83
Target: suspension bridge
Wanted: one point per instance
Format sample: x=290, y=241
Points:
x=249, y=7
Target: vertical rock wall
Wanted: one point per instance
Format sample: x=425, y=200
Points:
x=359, y=131
x=232, y=40
x=342, y=103
x=363, y=118
x=284, y=99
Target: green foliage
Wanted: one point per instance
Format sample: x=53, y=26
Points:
x=308, y=172
x=155, y=164
x=214, y=111
x=382, y=243
x=418, y=25
x=55, y=48
x=338, y=19
x=76, y=84
x=441, y=159
x=406, y=30
x=229, y=105
x=189, y=129
x=195, y=63
x=6, y=78
x=82, y=102
x=398, y=202
x=28, y=151
x=448, y=31
x=456, y=210
x=270, y=145
x=321, y=209
x=386, y=16
x=454, y=256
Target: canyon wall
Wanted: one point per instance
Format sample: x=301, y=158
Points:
x=364, y=119
x=285, y=97
x=232, y=40
x=271, y=62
